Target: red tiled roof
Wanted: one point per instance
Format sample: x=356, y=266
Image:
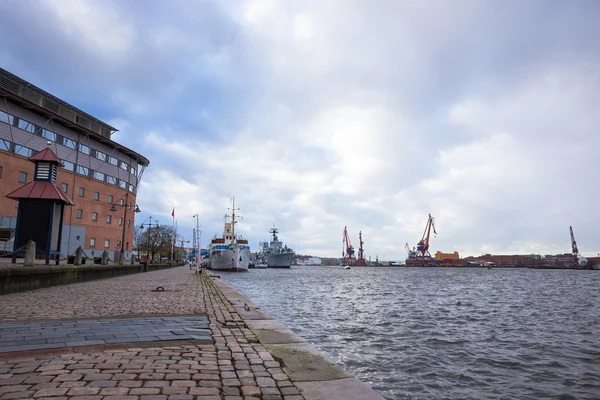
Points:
x=41, y=190
x=46, y=155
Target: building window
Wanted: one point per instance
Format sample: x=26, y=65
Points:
x=113, y=160
x=69, y=166
x=82, y=170
x=100, y=155
x=69, y=143
x=46, y=134
x=26, y=126
x=92, y=242
x=6, y=118
x=124, y=166
x=96, y=195
x=120, y=221
x=110, y=199
x=0, y=171
x=127, y=246
x=81, y=192
x=122, y=202
x=94, y=216
x=111, y=179
x=128, y=223
x=84, y=149
x=5, y=145
x=79, y=214
x=65, y=187
x=99, y=175
x=108, y=219
x=23, y=151
x=118, y=244
x=106, y=244
x=22, y=177
x=123, y=184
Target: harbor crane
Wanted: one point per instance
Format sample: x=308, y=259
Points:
x=423, y=244
x=579, y=261
x=348, y=253
x=410, y=253
x=361, y=253
x=574, y=243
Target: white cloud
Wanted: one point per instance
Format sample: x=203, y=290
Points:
x=317, y=115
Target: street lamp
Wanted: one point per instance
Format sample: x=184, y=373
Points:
x=126, y=205
x=150, y=225
x=197, y=238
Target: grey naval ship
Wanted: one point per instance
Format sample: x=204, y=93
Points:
x=275, y=253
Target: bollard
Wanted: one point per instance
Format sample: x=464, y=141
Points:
x=104, y=258
x=132, y=260
x=30, y=254
x=121, y=258
x=78, y=255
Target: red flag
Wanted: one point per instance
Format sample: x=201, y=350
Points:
x=173, y=213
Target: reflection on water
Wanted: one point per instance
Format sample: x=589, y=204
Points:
x=444, y=333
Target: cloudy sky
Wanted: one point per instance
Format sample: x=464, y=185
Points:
x=321, y=114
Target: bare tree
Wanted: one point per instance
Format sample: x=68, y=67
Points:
x=156, y=240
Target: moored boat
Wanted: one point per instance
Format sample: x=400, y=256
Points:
x=276, y=254
x=229, y=252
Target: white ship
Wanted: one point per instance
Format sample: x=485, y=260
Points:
x=276, y=254
x=229, y=252
x=308, y=261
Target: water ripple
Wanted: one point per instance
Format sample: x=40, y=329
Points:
x=444, y=333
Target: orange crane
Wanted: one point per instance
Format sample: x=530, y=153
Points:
x=423, y=245
x=348, y=253
x=361, y=253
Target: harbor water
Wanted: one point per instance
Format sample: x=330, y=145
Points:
x=444, y=333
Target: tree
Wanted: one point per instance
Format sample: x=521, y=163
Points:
x=156, y=240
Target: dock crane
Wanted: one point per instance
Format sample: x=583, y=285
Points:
x=361, y=253
x=574, y=243
x=348, y=253
x=578, y=260
x=422, y=253
x=410, y=253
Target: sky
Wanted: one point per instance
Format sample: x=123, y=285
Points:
x=321, y=114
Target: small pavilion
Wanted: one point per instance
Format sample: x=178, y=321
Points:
x=41, y=208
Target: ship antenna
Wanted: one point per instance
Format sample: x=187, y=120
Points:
x=233, y=221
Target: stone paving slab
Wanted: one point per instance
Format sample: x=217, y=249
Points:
x=235, y=366
x=37, y=336
x=130, y=295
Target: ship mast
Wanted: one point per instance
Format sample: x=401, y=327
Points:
x=233, y=221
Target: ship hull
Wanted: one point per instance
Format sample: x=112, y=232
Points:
x=233, y=260
x=280, y=260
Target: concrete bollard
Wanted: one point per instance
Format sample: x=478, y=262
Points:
x=104, y=258
x=78, y=256
x=30, y=254
x=132, y=259
x=121, y=258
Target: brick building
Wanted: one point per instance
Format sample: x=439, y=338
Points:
x=98, y=171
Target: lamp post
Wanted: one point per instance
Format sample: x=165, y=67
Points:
x=197, y=241
x=126, y=205
x=150, y=225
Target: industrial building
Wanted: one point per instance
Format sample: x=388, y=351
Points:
x=99, y=175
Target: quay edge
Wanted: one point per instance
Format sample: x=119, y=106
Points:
x=316, y=377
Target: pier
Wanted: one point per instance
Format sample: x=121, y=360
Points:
x=157, y=335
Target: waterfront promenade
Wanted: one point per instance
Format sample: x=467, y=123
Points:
x=119, y=338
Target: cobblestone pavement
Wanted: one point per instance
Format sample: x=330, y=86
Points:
x=235, y=367
x=126, y=295
x=45, y=335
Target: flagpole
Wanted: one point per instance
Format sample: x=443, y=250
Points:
x=173, y=241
